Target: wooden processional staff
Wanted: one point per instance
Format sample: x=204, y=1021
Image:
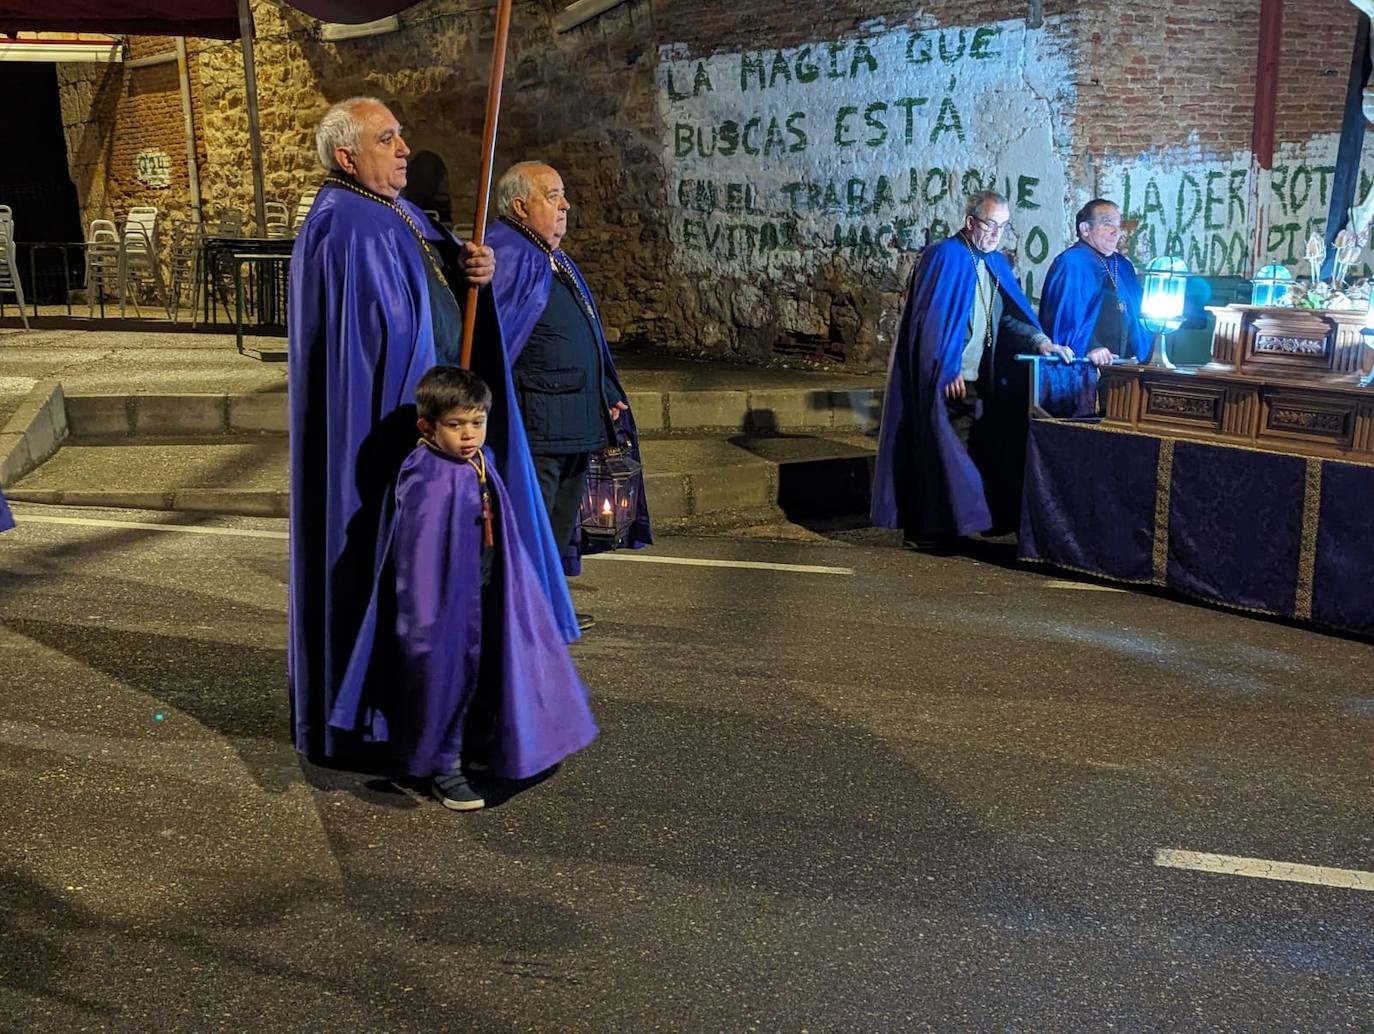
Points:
x=479, y=222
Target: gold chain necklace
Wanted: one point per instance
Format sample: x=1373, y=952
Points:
x=391, y=203
x=479, y=466
x=978, y=289
x=558, y=262
x=1110, y=267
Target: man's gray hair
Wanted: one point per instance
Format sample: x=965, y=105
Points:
x=517, y=181
x=340, y=127
x=982, y=201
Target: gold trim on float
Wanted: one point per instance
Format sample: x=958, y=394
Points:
x=1164, y=482
x=1159, y=435
x=1307, y=554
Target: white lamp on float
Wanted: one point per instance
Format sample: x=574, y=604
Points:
x=1161, y=308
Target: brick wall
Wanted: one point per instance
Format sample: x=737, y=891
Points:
x=114, y=113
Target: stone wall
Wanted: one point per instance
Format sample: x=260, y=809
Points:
x=754, y=181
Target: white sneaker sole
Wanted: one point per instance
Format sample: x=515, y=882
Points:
x=451, y=805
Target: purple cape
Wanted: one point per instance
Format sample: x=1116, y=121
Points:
x=1069, y=307
x=360, y=337
x=924, y=480
x=1072, y=299
x=521, y=291
x=6, y=518
x=530, y=708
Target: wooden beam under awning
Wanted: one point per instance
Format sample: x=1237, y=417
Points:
x=62, y=47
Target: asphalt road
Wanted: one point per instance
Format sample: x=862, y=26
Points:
x=909, y=793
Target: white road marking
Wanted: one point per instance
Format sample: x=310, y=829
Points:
x=27, y=517
x=1081, y=586
x=750, y=565
x=1265, y=869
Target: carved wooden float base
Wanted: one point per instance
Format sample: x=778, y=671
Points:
x=1216, y=403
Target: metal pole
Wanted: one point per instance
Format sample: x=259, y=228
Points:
x=189, y=130
x=479, y=222
x=250, y=82
x=1266, y=106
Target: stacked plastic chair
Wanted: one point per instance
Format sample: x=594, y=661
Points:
x=104, y=265
x=9, y=271
x=142, y=256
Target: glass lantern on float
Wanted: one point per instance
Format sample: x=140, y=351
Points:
x=1271, y=285
x=611, y=499
x=1161, y=307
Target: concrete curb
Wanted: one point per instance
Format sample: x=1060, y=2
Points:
x=34, y=432
x=770, y=409
x=656, y=413
x=264, y=503
x=184, y=415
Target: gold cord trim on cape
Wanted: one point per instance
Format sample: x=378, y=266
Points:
x=978, y=289
x=558, y=262
x=425, y=246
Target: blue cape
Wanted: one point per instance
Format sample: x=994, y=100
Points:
x=924, y=480
x=6, y=518
x=1072, y=298
x=447, y=654
x=360, y=336
x=521, y=291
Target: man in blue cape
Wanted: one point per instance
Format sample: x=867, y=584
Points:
x=1091, y=304
x=372, y=308
x=951, y=449
x=6, y=518
x=571, y=400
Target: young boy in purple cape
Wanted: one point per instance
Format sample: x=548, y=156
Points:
x=1091, y=304
x=480, y=665
x=951, y=448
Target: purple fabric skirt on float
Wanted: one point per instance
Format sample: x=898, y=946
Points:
x=1269, y=532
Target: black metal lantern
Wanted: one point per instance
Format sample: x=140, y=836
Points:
x=610, y=501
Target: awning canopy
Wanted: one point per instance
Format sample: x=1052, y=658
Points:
x=217, y=19
x=61, y=46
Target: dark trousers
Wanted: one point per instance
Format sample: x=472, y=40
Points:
x=964, y=412
x=995, y=436
x=562, y=479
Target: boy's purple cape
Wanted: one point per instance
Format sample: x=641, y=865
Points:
x=1072, y=299
x=923, y=479
x=360, y=338
x=521, y=291
x=531, y=709
x=6, y=518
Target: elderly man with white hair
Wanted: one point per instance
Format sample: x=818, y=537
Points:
x=951, y=448
x=569, y=394
x=374, y=304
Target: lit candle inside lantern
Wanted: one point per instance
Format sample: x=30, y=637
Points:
x=606, y=510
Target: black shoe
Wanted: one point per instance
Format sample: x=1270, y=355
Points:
x=933, y=546
x=584, y=622
x=455, y=792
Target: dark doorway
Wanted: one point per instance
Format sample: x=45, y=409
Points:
x=427, y=184
x=35, y=181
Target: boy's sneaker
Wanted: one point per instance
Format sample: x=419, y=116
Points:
x=455, y=792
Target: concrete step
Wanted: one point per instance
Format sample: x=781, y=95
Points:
x=686, y=478
x=671, y=413
x=225, y=474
